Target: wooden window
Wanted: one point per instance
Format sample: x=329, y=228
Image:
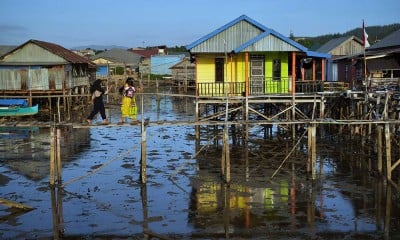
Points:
x=276, y=69
x=219, y=70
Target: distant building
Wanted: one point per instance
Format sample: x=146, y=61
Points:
x=160, y=64
x=339, y=47
x=382, y=68
x=146, y=53
x=184, y=70
x=41, y=67
x=109, y=60
x=88, y=53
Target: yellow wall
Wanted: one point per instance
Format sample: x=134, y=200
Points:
x=236, y=69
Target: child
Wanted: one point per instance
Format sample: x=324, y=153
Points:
x=128, y=103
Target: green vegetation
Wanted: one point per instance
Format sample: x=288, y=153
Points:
x=375, y=33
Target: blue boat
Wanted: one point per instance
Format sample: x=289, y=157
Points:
x=16, y=107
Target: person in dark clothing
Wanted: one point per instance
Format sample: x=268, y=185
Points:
x=98, y=106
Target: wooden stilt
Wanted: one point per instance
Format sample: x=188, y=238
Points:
x=388, y=210
x=314, y=151
x=226, y=162
x=52, y=157
x=58, y=156
x=388, y=152
x=379, y=140
x=143, y=161
x=309, y=143
x=58, y=110
x=311, y=151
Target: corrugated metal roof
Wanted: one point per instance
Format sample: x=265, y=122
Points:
x=146, y=53
x=68, y=55
x=245, y=34
x=392, y=40
x=331, y=44
x=58, y=50
x=118, y=55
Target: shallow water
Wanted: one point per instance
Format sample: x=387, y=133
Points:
x=184, y=196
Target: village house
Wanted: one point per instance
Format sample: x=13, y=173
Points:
x=339, y=47
x=147, y=53
x=246, y=58
x=110, y=60
x=377, y=69
x=37, y=68
x=183, y=72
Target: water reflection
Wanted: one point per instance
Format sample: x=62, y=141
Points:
x=185, y=196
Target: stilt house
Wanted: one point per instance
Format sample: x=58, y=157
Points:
x=246, y=58
x=42, y=68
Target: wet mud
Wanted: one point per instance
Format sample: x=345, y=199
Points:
x=101, y=195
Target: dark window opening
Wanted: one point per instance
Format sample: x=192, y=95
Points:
x=219, y=70
x=276, y=69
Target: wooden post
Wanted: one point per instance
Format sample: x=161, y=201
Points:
x=314, y=151
x=311, y=150
x=58, y=156
x=143, y=163
x=379, y=135
x=143, y=193
x=52, y=156
x=226, y=161
x=322, y=104
x=309, y=143
x=388, y=152
x=197, y=116
x=388, y=210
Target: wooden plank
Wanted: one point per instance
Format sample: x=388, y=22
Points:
x=13, y=204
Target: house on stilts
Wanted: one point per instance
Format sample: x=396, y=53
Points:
x=246, y=59
x=46, y=74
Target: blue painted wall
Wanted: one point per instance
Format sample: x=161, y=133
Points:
x=102, y=70
x=161, y=64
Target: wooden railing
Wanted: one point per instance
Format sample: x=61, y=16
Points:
x=263, y=87
x=221, y=89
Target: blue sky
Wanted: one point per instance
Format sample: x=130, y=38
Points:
x=137, y=23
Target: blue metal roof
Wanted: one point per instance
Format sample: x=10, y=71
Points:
x=224, y=27
x=265, y=32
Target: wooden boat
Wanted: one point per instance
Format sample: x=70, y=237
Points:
x=16, y=107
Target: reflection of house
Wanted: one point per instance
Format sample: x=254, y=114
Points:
x=38, y=67
x=245, y=57
x=27, y=150
x=183, y=71
x=382, y=65
x=248, y=205
x=108, y=61
x=339, y=47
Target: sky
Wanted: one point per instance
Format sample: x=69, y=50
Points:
x=142, y=23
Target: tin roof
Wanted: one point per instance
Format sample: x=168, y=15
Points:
x=118, y=55
x=392, y=40
x=333, y=43
x=245, y=34
x=58, y=50
x=146, y=53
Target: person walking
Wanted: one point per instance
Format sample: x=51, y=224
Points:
x=128, y=102
x=98, y=105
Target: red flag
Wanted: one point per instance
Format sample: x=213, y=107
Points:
x=365, y=36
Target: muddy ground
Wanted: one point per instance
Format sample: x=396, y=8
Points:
x=101, y=196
